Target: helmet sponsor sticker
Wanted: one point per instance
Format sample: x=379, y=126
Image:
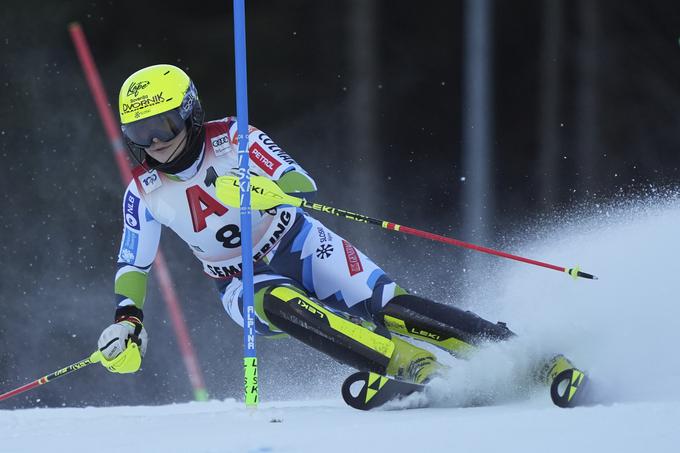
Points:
x=128, y=249
x=188, y=101
x=131, y=211
x=150, y=181
x=133, y=89
x=142, y=103
x=220, y=144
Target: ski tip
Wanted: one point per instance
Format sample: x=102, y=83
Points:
x=569, y=389
x=366, y=390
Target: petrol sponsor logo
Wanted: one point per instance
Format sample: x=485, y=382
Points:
x=128, y=249
x=150, y=181
x=131, y=211
x=353, y=260
x=263, y=159
x=133, y=89
x=143, y=102
x=220, y=144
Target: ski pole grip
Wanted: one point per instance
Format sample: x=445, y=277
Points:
x=96, y=356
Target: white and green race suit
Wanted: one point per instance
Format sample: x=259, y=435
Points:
x=289, y=246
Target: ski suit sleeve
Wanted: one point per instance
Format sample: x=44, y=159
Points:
x=138, y=247
x=269, y=160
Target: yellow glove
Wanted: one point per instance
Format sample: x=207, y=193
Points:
x=122, y=346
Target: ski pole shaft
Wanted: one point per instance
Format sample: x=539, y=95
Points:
x=50, y=377
x=266, y=194
x=574, y=272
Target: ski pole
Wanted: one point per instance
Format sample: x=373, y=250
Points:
x=266, y=195
x=93, y=358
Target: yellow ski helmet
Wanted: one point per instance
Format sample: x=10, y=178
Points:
x=159, y=102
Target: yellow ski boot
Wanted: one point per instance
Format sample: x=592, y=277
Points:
x=411, y=363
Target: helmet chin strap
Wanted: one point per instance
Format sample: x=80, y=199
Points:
x=176, y=153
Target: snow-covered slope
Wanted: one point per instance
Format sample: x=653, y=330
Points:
x=328, y=426
x=623, y=328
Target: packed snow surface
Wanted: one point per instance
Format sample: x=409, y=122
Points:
x=622, y=328
x=329, y=426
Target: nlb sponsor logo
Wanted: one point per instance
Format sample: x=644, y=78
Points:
x=132, y=211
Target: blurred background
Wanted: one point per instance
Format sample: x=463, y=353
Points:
x=477, y=119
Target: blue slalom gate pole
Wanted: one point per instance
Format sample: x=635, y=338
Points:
x=249, y=352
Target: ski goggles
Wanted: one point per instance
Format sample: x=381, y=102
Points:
x=164, y=127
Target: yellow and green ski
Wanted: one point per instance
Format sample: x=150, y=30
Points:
x=365, y=390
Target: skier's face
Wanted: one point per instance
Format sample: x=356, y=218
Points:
x=166, y=151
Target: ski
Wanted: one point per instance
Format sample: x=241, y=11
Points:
x=365, y=390
x=571, y=388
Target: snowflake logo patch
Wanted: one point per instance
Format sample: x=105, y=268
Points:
x=127, y=256
x=324, y=251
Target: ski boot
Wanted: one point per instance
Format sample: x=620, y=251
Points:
x=411, y=363
x=456, y=331
x=292, y=311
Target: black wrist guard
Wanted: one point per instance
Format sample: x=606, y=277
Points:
x=129, y=312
